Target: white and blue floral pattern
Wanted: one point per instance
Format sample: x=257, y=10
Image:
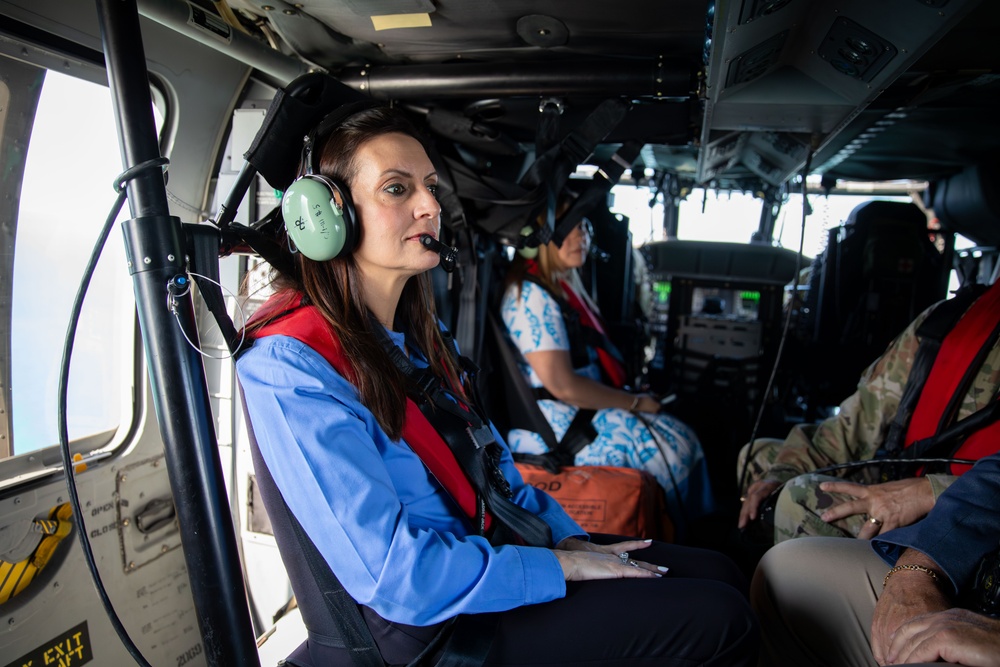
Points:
x=673, y=455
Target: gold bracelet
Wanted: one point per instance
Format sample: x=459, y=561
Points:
x=635, y=403
x=915, y=568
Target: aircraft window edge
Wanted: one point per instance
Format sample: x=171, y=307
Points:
x=51, y=52
x=32, y=466
x=6, y=396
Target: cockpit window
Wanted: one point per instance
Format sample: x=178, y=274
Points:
x=735, y=216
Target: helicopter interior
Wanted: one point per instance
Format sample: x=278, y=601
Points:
x=520, y=100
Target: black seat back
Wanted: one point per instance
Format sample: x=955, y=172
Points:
x=322, y=600
x=512, y=403
x=878, y=272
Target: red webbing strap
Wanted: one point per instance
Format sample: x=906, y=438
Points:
x=958, y=351
x=980, y=444
x=306, y=324
x=613, y=368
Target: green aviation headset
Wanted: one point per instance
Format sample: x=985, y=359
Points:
x=317, y=210
x=528, y=252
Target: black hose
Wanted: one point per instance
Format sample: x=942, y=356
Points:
x=63, y=390
x=784, y=331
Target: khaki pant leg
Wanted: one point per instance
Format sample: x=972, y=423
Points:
x=764, y=452
x=814, y=598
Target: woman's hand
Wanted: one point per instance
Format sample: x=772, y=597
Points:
x=555, y=369
x=954, y=635
x=890, y=505
x=646, y=403
x=576, y=544
x=582, y=561
x=755, y=495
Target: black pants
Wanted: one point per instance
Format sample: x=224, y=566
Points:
x=697, y=614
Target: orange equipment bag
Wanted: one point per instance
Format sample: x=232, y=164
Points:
x=606, y=499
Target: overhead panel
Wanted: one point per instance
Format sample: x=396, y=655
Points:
x=785, y=76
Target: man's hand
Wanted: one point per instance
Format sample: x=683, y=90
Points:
x=755, y=495
x=891, y=505
x=907, y=595
x=954, y=635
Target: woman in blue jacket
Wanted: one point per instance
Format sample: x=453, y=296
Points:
x=342, y=357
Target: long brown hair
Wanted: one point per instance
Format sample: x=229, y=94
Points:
x=334, y=286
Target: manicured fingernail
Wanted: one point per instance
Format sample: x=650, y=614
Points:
x=662, y=569
x=647, y=541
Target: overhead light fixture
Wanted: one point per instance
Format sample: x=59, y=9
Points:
x=854, y=50
x=543, y=31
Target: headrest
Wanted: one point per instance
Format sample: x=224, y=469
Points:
x=969, y=203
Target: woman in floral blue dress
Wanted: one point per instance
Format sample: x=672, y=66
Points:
x=630, y=430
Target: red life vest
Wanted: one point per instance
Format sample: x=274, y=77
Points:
x=307, y=325
x=954, y=360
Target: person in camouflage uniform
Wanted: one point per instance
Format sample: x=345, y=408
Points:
x=812, y=504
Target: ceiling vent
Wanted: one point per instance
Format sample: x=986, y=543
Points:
x=856, y=51
x=756, y=60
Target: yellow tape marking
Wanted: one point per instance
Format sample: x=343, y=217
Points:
x=392, y=21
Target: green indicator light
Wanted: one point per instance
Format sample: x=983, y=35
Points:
x=662, y=290
x=750, y=296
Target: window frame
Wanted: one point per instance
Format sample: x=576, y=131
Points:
x=26, y=79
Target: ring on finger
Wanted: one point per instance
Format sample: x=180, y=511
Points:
x=624, y=557
x=632, y=563
x=875, y=522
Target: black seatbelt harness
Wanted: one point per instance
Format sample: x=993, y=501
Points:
x=580, y=431
x=580, y=337
x=522, y=409
x=469, y=437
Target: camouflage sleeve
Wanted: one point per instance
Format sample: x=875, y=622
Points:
x=940, y=483
x=857, y=430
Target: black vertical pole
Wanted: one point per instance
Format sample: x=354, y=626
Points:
x=154, y=243
x=768, y=214
x=670, y=187
x=671, y=216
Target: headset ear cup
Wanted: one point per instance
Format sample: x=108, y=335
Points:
x=527, y=253
x=343, y=203
x=319, y=217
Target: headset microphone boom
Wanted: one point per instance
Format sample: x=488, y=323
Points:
x=449, y=255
